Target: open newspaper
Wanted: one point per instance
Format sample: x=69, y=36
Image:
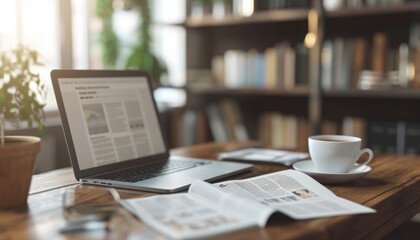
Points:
x=208, y=210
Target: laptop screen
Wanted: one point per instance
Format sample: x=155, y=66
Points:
x=111, y=119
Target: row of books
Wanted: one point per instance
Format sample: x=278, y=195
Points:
x=283, y=131
x=290, y=132
x=220, y=121
x=286, y=131
x=219, y=9
x=347, y=62
x=341, y=61
x=267, y=5
x=399, y=137
x=225, y=121
x=245, y=8
x=248, y=7
x=282, y=66
x=330, y=5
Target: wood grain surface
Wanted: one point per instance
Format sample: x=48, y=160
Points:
x=392, y=189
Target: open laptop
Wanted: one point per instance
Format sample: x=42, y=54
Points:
x=114, y=134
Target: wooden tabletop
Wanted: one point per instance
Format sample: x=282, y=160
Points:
x=392, y=189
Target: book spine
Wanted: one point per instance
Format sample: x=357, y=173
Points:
x=382, y=136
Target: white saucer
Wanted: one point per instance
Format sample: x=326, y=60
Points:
x=308, y=167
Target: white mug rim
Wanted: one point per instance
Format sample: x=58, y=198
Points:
x=331, y=138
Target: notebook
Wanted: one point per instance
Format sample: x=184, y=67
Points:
x=114, y=135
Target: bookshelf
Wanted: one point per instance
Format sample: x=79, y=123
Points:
x=269, y=100
x=272, y=16
x=384, y=105
x=207, y=38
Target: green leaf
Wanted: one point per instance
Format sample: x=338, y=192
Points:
x=18, y=100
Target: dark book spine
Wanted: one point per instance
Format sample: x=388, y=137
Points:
x=382, y=136
x=412, y=138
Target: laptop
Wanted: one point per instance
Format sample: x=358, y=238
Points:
x=114, y=135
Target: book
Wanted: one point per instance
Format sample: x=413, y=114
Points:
x=289, y=66
x=234, y=61
x=382, y=136
x=265, y=129
x=216, y=122
x=303, y=132
x=329, y=127
x=217, y=70
x=327, y=65
x=280, y=56
x=233, y=120
x=344, y=82
x=359, y=60
x=208, y=210
x=251, y=68
x=412, y=138
x=200, y=79
x=331, y=5
x=259, y=82
x=338, y=62
x=380, y=44
x=403, y=64
x=302, y=65
x=284, y=131
x=264, y=155
x=270, y=68
x=354, y=126
x=414, y=44
x=278, y=130
x=292, y=131
x=189, y=119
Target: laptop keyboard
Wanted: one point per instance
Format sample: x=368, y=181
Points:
x=153, y=170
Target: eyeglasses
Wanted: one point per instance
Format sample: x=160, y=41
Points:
x=94, y=212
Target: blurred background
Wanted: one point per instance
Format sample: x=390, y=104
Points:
x=79, y=34
x=274, y=71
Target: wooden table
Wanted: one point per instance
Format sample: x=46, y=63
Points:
x=392, y=188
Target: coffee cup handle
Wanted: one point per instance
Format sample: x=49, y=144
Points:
x=363, y=151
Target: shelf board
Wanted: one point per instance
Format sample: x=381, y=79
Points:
x=402, y=94
x=392, y=105
x=251, y=92
x=273, y=16
x=289, y=15
x=374, y=11
x=255, y=100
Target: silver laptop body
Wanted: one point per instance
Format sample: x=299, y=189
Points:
x=114, y=135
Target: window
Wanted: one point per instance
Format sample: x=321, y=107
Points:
x=170, y=40
x=25, y=22
x=68, y=39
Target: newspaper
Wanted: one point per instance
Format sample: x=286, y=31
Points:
x=262, y=155
x=208, y=210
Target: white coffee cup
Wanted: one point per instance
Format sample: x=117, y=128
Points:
x=337, y=153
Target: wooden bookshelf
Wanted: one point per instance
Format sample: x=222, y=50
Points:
x=391, y=105
x=301, y=92
x=265, y=17
x=207, y=38
x=374, y=11
x=377, y=95
x=293, y=102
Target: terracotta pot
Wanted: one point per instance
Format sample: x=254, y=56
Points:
x=17, y=160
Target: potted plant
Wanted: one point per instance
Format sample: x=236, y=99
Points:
x=22, y=97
